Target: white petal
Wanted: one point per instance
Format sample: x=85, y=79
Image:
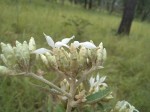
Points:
x=91, y=81
x=88, y=45
x=76, y=44
x=60, y=44
x=41, y=51
x=66, y=40
x=102, y=79
x=97, y=77
x=101, y=45
x=49, y=40
x=104, y=84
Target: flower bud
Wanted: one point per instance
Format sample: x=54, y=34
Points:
x=5, y=61
x=93, y=56
x=32, y=45
x=25, y=50
x=108, y=97
x=4, y=70
x=83, y=57
x=64, y=59
x=99, y=59
x=124, y=106
x=73, y=59
x=44, y=59
x=8, y=56
x=64, y=85
x=8, y=51
x=56, y=52
x=22, y=55
x=104, y=54
x=18, y=50
x=51, y=59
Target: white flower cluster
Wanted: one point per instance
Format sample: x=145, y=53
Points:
x=124, y=106
x=17, y=57
x=72, y=58
x=96, y=83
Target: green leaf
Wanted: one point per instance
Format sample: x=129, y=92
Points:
x=97, y=96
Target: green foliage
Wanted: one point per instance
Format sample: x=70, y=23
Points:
x=93, y=98
x=79, y=24
x=128, y=58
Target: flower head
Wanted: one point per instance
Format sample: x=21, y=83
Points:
x=53, y=44
x=97, y=83
x=88, y=45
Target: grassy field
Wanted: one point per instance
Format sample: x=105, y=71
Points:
x=127, y=67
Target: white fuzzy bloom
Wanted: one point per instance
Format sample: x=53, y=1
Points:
x=32, y=45
x=96, y=83
x=58, y=44
x=41, y=51
x=51, y=43
x=124, y=106
x=76, y=44
x=88, y=45
x=104, y=54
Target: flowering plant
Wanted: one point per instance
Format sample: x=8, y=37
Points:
x=73, y=63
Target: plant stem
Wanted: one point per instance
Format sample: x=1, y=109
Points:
x=50, y=84
x=72, y=92
x=84, y=75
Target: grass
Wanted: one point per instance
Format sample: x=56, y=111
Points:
x=127, y=66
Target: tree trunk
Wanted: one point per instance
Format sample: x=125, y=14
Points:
x=75, y=1
x=112, y=6
x=128, y=15
x=90, y=4
x=85, y=4
x=145, y=14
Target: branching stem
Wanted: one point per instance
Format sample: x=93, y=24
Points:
x=50, y=84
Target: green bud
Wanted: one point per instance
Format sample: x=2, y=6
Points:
x=101, y=45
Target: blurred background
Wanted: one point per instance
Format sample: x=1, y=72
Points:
x=122, y=25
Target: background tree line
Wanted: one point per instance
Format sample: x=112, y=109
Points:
x=142, y=6
x=128, y=8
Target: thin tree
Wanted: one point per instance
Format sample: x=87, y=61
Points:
x=85, y=4
x=128, y=16
x=112, y=6
x=90, y=4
